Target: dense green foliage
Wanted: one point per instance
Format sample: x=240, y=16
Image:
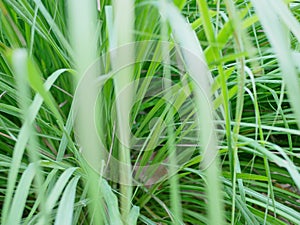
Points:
x=189, y=111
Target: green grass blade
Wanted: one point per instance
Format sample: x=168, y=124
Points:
x=175, y=198
x=66, y=206
x=195, y=62
x=21, y=194
x=112, y=204
x=134, y=215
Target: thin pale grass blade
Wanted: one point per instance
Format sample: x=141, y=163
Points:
x=32, y=33
x=111, y=203
x=21, y=194
x=175, y=198
x=195, y=63
x=65, y=138
x=134, y=214
x=66, y=206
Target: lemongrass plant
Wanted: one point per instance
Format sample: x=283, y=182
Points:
x=149, y=112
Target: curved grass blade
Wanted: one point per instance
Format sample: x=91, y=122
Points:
x=22, y=191
x=112, y=204
x=66, y=206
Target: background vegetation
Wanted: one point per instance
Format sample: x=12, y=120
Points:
x=189, y=111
